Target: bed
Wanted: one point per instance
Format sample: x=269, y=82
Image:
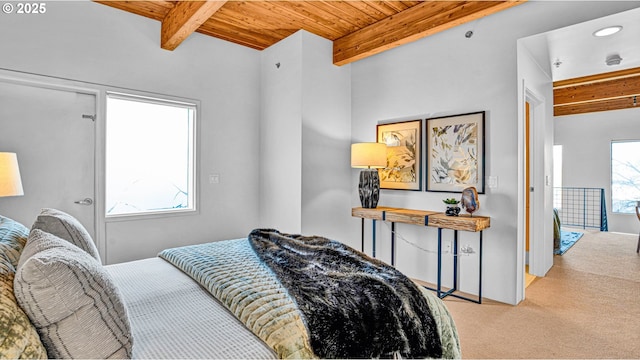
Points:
x=239, y=298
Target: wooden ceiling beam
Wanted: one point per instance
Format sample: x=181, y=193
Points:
x=597, y=91
x=601, y=92
x=424, y=19
x=620, y=74
x=185, y=18
x=595, y=106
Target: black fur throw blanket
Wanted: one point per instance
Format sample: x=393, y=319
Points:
x=353, y=306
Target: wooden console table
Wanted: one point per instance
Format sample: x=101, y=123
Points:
x=434, y=219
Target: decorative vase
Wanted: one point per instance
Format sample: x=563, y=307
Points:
x=469, y=200
x=452, y=210
x=369, y=188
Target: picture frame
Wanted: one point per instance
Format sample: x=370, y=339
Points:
x=404, y=155
x=455, y=152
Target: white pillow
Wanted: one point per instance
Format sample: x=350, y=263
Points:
x=66, y=227
x=71, y=300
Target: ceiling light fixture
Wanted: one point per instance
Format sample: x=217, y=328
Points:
x=609, y=30
x=614, y=59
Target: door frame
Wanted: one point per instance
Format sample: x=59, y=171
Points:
x=535, y=157
x=528, y=172
x=541, y=125
x=543, y=221
x=60, y=84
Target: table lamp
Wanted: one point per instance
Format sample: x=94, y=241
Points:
x=370, y=157
x=10, y=182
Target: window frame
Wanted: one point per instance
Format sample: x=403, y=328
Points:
x=613, y=211
x=160, y=99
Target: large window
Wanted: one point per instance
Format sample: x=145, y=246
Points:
x=557, y=176
x=150, y=162
x=625, y=176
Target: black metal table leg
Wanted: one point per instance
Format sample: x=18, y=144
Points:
x=393, y=244
x=480, y=271
x=442, y=294
x=439, y=284
x=455, y=260
x=362, y=235
x=373, y=238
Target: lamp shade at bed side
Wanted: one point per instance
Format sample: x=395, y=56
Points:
x=369, y=157
x=10, y=181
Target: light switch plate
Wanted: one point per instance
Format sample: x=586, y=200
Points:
x=492, y=182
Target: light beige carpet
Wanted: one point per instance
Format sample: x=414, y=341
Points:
x=588, y=306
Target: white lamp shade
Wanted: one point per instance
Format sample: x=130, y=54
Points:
x=369, y=155
x=10, y=182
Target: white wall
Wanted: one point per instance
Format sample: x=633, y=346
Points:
x=93, y=43
x=326, y=139
x=305, y=138
x=280, y=158
x=449, y=74
x=586, y=152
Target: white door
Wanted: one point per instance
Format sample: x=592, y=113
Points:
x=54, y=143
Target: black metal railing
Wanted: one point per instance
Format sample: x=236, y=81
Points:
x=581, y=207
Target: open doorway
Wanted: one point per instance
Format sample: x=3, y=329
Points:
x=543, y=59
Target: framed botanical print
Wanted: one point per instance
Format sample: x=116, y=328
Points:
x=455, y=152
x=404, y=155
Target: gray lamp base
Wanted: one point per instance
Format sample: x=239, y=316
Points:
x=369, y=188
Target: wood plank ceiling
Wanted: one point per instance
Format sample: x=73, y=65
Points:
x=603, y=92
x=357, y=28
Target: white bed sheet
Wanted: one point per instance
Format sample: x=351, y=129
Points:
x=172, y=316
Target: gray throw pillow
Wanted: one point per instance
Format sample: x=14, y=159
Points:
x=71, y=300
x=66, y=227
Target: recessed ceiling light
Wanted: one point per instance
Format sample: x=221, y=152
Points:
x=609, y=30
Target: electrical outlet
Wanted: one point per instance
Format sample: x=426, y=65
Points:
x=467, y=249
x=214, y=178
